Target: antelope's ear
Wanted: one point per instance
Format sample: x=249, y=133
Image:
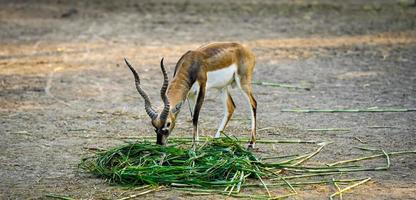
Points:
x=177, y=108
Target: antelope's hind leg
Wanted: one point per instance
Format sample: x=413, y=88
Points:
x=248, y=93
x=229, y=108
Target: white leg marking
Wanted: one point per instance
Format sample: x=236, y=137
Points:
x=197, y=135
x=192, y=95
x=191, y=103
x=224, y=96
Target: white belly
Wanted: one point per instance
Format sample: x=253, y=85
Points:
x=222, y=77
x=217, y=79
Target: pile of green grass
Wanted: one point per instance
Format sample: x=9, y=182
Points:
x=212, y=164
x=220, y=166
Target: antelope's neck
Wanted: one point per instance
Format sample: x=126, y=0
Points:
x=177, y=91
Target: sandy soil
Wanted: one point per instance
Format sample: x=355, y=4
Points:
x=64, y=87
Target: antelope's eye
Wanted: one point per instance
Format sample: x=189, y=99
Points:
x=168, y=124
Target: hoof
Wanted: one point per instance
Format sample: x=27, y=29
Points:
x=251, y=145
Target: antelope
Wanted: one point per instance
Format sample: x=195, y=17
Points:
x=213, y=66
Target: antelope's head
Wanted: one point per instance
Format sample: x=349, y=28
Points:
x=164, y=120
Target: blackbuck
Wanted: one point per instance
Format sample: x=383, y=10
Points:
x=217, y=66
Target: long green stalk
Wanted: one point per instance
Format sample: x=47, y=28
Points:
x=283, y=196
x=306, y=176
x=310, y=156
x=348, y=188
x=293, y=159
x=140, y=194
x=308, y=182
x=370, y=157
x=338, y=188
x=328, y=129
x=300, y=170
x=55, y=196
x=232, y=186
x=366, y=148
x=294, y=192
x=210, y=192
x=241, y=181
x=299, y=159
x=350, y=110
x=262, y=182
x=377, y=127
x=282, y=85
x=277, y=157
x=387, y=159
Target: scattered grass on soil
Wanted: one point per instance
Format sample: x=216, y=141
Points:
x=221, y=166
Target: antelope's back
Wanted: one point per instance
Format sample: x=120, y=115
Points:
x=223, y=54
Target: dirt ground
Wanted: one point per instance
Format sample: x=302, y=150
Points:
x=64, y=87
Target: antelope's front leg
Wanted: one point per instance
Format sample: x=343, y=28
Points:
x=198, y=105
